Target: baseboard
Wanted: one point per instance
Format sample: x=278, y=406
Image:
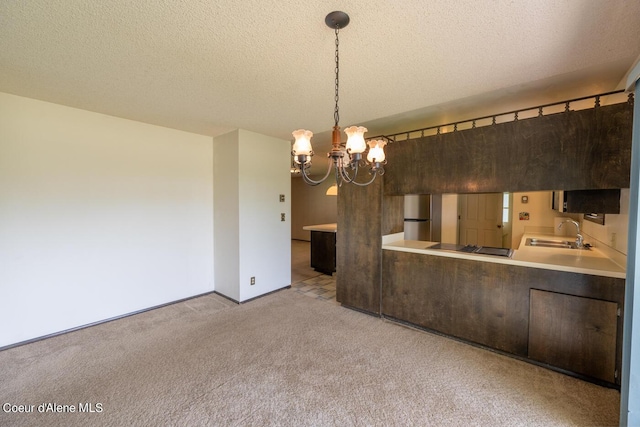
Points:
x=100, y=322
x=251, y=299
x=133, y=313
x=226, y=297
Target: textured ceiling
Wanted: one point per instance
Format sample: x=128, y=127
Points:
x=267, y=66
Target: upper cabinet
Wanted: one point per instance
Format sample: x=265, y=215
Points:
x=574, y=150
x=587, y=201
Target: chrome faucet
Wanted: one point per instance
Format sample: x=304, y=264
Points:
x=579, y=238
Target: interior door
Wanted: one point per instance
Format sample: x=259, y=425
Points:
x=480, y=219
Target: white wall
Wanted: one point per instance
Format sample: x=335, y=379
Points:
x=99, y=217
x=226, y=214
x=256, y=242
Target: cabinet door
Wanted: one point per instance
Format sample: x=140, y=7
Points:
x=593, y=201
x=574, y=333
x=323, y=251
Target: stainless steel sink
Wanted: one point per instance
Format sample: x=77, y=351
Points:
x=553, y=243
x=535, y=241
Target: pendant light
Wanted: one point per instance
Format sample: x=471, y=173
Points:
x=342, y=157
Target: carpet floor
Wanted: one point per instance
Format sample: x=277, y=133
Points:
x=284, y=360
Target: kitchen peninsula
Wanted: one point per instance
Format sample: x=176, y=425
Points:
x=541, y=309
x=323, y=247
x=557, y=307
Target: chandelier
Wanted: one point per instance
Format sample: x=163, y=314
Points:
x=346, y=158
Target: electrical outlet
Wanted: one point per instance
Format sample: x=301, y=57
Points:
x=253, y=280
x=281, y=217
x=282, y=198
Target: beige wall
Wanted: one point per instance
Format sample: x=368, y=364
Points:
x=449, y=218
x=543, y=219
x=615, y=231
x=310, y=205
x=541, y=216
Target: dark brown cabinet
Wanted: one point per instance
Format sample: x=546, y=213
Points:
x=323, y=251
x=565, y=321
x=584, y=149
x=474, y=301
x=587, y=201
x=359, y=246
x=574, y=333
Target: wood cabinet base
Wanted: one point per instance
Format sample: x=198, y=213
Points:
x=567, y=321
x=323, y=251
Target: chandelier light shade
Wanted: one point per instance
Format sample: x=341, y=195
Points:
x=302, y=145
x=376, y=151
x=355, y=139
x=345, y=159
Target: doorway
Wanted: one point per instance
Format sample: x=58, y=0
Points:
x=481, y=219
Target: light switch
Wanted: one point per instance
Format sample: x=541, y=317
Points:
x=281, y=217
x=282, y=198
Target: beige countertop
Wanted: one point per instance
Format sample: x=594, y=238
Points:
x=593, y=261
x=328, y=228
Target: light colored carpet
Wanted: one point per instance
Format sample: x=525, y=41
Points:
x=285, y=359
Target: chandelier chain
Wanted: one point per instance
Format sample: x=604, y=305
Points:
x=336, y=111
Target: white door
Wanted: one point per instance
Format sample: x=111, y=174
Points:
x=480, y=219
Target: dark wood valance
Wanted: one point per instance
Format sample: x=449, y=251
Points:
x=574, y=150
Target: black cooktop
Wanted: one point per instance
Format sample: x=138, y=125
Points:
x=473, y=249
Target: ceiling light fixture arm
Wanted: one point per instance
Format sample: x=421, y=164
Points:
x=375, y=170
x=344, y=174
x=305, y=166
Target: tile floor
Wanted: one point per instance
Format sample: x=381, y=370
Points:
x=306, y=280
x=321, y=287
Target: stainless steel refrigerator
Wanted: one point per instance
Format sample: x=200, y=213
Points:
x=417, y=217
